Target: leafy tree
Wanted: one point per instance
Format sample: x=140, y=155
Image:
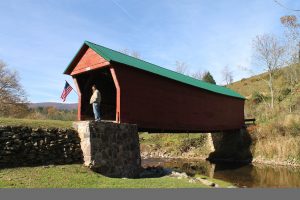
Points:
x=207, y=77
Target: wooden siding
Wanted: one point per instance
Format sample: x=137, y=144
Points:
x=89, y=61
x=156, y=103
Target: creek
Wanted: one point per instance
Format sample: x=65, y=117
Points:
x=239, y=174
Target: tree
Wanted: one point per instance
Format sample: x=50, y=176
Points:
x=181, y=67
x=292, y=39
x=134, y=54
x=269, y=53
x=197, y=75
x=227, y=75
x=292, y=36
x=125, y=51
x=207, y=77
x=12, y=95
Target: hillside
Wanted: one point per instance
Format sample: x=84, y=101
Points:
x=248, y=86
x=256, y=90
x=59, y=106
x=276, y=135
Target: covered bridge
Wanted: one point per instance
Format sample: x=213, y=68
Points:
x=156, y=99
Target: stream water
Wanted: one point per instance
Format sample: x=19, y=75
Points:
x=241, y=175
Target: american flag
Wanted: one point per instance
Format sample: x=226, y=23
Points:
x=66, y=91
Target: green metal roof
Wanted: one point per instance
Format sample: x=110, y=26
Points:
x=111, y=55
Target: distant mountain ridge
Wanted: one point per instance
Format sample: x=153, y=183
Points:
x=59, y=106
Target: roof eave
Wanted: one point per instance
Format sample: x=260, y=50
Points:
x=94, y=46
x=70, y=65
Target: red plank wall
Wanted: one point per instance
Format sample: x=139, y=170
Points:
x=155, y=102
x=89, y=61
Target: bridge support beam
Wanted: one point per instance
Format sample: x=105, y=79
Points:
x=233, y=146
x=111, y=149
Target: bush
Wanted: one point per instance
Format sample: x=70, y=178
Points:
x=284, y=93
x=294, y=129
x=188, y=143
x=257, y=97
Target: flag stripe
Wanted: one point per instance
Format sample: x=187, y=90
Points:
x=66, y=91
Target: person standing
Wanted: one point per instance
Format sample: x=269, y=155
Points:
x=95, y=101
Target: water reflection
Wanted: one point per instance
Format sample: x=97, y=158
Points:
x=242, y=175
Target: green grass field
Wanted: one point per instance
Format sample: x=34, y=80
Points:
x=78, y=176
x=34, y=123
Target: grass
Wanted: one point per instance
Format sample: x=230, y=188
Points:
x=34, y=123
x=280, y=149
x=78, y=176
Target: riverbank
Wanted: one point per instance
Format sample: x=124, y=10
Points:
x=78, y=176
x=240, y=174
x=192, y=157
x=200, y=146
x=160, y=155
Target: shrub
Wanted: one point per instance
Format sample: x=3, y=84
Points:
x=284, y=93
x=188, y=143
x=257, y=97
x=295, y=129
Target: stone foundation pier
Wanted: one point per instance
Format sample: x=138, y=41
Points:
x=111, y=149
x=232, y=146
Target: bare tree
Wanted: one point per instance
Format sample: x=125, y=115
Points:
x=269, y=53
x=181, y=67
x=227, y=75
x=125, y=51
x=197, y=75
x=12, y=96
x=292, y=36
x=292, y=40
x=134, y=54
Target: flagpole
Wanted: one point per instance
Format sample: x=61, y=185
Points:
x=72, y=88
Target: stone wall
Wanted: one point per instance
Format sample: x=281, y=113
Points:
x=24, y=146
x=231, y=146
x=111, y=149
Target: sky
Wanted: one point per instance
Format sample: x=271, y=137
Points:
x=38, y=39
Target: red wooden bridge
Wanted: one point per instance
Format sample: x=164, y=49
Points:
x=156, y=99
